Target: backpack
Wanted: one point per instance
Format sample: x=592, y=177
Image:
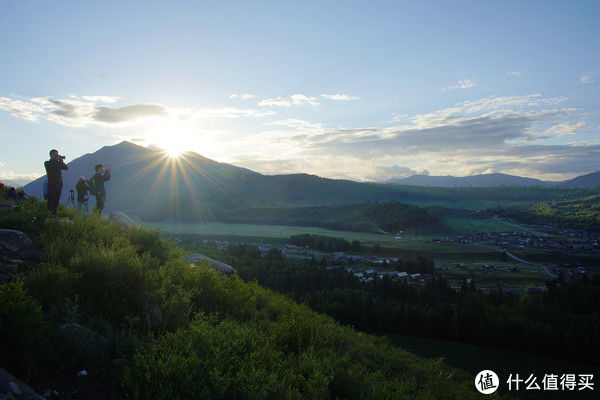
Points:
x=92, y=187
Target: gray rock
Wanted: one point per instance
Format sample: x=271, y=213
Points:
x=218, y=266
x=13, y=241
x=6, y=205
x=12, y=388
x=122, y=219
x=81, y=345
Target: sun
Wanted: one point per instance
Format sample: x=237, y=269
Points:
x=173, y=152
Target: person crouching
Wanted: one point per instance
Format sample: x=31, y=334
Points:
x=82, y=196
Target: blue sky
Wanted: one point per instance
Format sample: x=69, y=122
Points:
x=359, y=90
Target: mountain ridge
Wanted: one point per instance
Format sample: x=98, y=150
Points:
x=145, y=180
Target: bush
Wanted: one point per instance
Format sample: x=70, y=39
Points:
x=24, y=331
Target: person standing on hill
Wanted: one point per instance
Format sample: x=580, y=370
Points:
x=97, y=186
x=82, y=195
x=54, y=168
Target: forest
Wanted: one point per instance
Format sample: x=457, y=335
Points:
x=580, y=213
x=563, y=322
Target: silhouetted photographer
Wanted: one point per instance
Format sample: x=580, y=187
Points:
x=96, y=186
x=54, y=168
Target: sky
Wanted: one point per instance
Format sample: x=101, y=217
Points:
x=367, y=90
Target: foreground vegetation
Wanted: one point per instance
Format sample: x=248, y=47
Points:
x=562, y=322
x=103, y=291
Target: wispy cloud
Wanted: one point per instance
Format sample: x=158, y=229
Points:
x=244, y=96
x=588, y=77
x=491, y=134
x=462, y=84
x=564, y=128
x=94, y=110
x=513, y=73
x=296, y=99
x=339, y=96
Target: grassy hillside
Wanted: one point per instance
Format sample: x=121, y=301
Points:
x=104, y=292
x=578, y=213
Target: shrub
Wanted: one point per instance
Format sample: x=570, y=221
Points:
x=24, y=331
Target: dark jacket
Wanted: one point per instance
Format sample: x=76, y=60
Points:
x=82, y=191
x=99, y=181
x=54, y=171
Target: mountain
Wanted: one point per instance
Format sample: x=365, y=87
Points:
x=583, y=181
x=145, y=182
x=482, y=180
x=151, y=185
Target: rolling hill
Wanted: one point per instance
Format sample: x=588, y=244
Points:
x=148, y=183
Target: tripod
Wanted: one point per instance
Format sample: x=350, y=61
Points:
x=71, y=198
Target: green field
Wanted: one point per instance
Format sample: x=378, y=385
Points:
x=473, y=359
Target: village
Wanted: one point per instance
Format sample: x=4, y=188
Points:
x=368, y=267
x=566, y=241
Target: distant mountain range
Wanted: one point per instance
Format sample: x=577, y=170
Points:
x=491, y=180
x=149, y=184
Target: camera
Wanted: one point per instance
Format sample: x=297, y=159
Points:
x=62, y=157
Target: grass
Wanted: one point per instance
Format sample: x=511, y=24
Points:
x=106, y=291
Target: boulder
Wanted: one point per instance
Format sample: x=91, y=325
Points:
x=122, y=219
x=81, y=345
x=218, y=266
x=6, y=205
x=12, y=388
x=12, y=241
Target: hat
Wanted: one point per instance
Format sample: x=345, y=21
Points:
x=82, y=178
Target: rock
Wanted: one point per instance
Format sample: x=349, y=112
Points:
x=122, y=219
x=15, y=388
x=117, y=362
x=13, y=241
x=218, y=266
x=6, y=205
x=80, y=345
x=12, y=388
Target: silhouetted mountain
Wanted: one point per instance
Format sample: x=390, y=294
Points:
x=584, y=181
x=483, y=180
x=149, y=184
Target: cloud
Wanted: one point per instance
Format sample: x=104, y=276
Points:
x=564, y=128
x=339, y=96
x=100, y=99
x=384, y=173
x=244, y=96
x=228, y=112
x=495, y=133
x=296, y=99
x=588, y=77
x=462, y=84
x=513, y=73
x=128, y=114
x=92, y=110
x=11, y=178
x=21, y=109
